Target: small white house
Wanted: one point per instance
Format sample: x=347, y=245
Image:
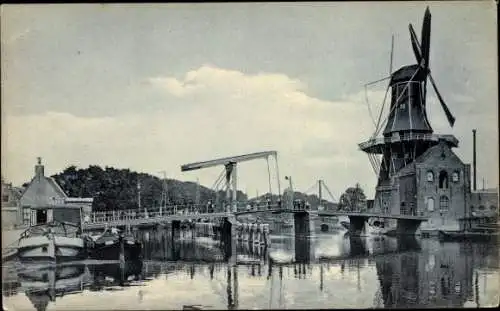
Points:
x=42, y=193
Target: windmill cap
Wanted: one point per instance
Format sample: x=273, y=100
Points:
x=406, y=73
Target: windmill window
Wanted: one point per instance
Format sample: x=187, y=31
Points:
x=430, y=204
x=455, y=177
x=430, y=176
x=443, y=180
x=444, y=204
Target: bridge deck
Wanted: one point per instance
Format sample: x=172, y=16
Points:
x=150, y=220
x=377, y=215
x=100, y=220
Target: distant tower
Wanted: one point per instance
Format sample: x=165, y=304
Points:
x=407, y=133
x=139, y=193
x=474, y=159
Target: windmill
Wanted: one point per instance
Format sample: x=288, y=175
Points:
x=407, y=132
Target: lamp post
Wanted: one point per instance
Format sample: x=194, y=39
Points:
x=289, y=178
x=139, y=194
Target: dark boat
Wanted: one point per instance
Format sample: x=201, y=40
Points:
x=115, y=245
x=446, y=236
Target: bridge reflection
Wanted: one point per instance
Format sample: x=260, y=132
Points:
x=409, y=272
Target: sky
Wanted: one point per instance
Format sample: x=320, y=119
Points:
x=151, y=87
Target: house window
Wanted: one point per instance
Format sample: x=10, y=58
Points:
x=430, y=176
x=481, y=207
x=5, y=198
x=430, y=204
x=26, y=215
x=443, y=180
x=444, y=204
x=493, y=207
x=455, y=177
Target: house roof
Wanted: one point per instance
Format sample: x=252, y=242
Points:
x=437, y=150
x=433, y=151
x=56, y=186
x=52, y=182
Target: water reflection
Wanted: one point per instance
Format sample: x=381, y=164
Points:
x=44, y=284
x=110, y=275
x=325, y=272
x=441, y=275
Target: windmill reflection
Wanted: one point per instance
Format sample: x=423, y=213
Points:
x=441, y=275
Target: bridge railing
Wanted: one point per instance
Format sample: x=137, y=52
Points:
x=150, y=212
x=189, y=209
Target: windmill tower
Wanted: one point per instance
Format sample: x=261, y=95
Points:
x=407, y=133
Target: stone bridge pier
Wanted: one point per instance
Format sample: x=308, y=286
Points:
x=357, y=225
x=408, y=243
x=176, y=229
x=229, y=237
x=407, y=226
x=176, y=232
x=303, y=224
x=303, y=249
x=356, y=246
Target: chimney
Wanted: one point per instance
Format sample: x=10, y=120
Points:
x=474, y=159
x=39, y=173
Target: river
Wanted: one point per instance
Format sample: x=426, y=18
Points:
x=324, y=271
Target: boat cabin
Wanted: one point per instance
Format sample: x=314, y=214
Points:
x=42, y=215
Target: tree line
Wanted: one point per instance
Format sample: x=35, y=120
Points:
x=117, y=189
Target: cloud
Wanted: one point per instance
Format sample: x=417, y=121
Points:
x=216, y=112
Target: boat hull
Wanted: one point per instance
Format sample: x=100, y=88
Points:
x=450, y=236
x=51, y=248
x=117, y=248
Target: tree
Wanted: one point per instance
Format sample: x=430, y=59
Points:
x=114, y=188
x=353, y=199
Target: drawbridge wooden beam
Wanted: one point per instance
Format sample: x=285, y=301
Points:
x=227, y=160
